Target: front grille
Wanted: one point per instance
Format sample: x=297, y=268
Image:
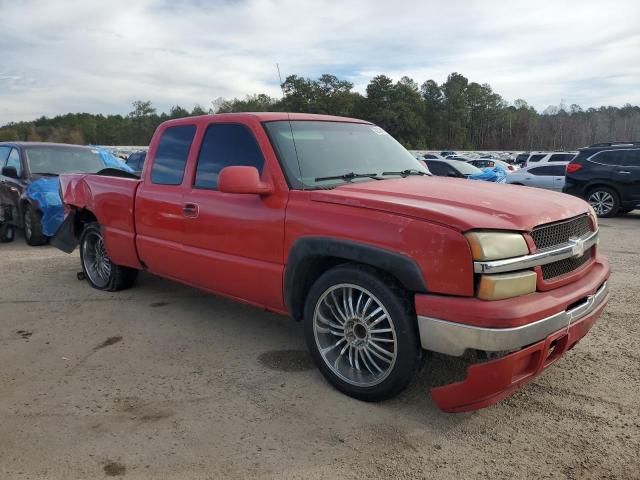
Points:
x=554, y=234
x=562, y=267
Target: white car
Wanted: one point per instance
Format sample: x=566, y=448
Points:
x=549, y=176
x=536, y=158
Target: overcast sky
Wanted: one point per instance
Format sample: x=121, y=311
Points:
x=98, y=56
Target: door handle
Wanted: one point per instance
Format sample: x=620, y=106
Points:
x=624, y=171
x=190, y=210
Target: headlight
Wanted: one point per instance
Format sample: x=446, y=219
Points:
x=493, y=245
x=506, y=285
x=496, y=245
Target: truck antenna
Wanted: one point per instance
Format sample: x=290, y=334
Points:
x=293, y=139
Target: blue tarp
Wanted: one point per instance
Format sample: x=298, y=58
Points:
x=45, y=192
x=495, y=174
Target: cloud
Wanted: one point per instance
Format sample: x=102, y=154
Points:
x=94, y=56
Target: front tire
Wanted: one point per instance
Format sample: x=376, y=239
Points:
x=362, y=333
x=99, y=270
x=604, y=201
x=33, y=227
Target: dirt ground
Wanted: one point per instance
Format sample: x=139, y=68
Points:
x=163, y=381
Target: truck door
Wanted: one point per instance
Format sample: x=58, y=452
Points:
x=159, y=210
x=233, y=243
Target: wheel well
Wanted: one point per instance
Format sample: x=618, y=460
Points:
x=309, y=270
x=82, y=217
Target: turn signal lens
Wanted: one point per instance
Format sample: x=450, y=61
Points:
x=496, y=245
x=506, y=285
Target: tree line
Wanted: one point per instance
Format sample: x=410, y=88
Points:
x=456, y=114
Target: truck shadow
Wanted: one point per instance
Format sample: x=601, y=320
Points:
x=279, y=350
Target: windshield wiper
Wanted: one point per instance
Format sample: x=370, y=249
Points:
x=48, y=174
x=406, y=173
x=349, y=176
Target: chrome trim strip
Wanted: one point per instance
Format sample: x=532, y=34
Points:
x=454, y=338
x=573, y=248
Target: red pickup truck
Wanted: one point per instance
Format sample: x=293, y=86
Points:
x=333, y=222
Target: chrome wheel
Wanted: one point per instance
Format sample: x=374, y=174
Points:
x=355, y=335
x=602, y=202
x=96, y=262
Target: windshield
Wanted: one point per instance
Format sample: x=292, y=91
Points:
x=57, y=160
x=333, y=149
x=465, y=168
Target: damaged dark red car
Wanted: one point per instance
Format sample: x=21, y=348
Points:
x=333, y=222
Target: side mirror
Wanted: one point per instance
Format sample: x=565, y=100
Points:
x=10, y=172
x=242, y=180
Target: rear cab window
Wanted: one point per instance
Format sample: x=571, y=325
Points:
x=171, y=155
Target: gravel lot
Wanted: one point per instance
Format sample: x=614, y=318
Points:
x=163, y=381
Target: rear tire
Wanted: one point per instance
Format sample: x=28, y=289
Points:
x=7, y=233
x=362, y=332
x=99, y=270
x=605, y=201
x=33, y=227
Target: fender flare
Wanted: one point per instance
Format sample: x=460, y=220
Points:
x=308, y=250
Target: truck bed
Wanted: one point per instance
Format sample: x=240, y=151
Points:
x=111, y=199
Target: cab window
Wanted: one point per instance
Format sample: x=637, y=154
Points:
x=171, y=156
x=225, y=145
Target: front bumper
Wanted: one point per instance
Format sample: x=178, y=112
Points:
x=454, y=338
x=489, y=382
x=537, y=329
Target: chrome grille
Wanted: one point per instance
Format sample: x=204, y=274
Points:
x=553, y=234
x=562, y=267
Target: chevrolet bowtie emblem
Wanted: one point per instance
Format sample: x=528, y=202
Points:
x=577, y=247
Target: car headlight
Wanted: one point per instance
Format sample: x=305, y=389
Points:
x=496, y=245
x=492, y=245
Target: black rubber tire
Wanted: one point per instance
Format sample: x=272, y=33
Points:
x=121, y=277
x=399, y=306
x=614, y=195
x=34, y=237
x=7, y=233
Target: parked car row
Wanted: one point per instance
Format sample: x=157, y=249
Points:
x=607, y=175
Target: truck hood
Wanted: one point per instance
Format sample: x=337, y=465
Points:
x=458, y=203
